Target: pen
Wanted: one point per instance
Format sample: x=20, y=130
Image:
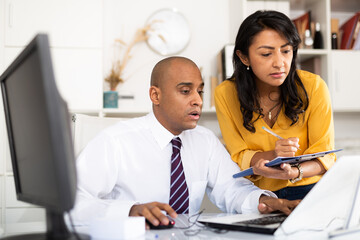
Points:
x=274, y=134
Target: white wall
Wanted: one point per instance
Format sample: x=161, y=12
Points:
x=209, y=23
x=2, y=127
x=2, y=38
x=75, y=35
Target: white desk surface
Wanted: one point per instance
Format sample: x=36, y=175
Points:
x=199, y=232
x=176, y=233
x=182, y=221
x=210, y=234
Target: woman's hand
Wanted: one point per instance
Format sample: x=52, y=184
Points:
x=286, y=147
x=284, y=172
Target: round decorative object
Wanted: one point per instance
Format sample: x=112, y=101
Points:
x=170, y=32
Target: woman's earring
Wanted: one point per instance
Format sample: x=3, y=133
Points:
x=248, y=68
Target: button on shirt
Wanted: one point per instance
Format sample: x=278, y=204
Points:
x=129, y=163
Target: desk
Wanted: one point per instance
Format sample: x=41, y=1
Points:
x=176, y=233
x=203, y=233
x=182, y=221
x=180, y=234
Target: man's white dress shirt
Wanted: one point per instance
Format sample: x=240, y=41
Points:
x=129, y=163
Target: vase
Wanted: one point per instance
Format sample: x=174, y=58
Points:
x=111, y=99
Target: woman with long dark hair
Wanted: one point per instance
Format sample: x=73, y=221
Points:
x=266, y=90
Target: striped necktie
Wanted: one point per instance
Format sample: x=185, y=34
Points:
x=179, y=194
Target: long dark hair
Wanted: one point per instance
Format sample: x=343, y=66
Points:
x=293, y=93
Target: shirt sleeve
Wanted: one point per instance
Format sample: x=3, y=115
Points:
x=227, y=107
x=320, y=123
x=228, y=194
x=97, y=171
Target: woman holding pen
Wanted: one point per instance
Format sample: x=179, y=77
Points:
x=267, y=92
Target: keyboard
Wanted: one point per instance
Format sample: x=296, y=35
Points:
x=265, y=220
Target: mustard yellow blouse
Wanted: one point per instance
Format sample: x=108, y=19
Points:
x=315, y=129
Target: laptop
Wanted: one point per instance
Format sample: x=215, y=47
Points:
x=327, y=207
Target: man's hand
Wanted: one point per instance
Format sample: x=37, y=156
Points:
x=152, y=212
x=269, y=204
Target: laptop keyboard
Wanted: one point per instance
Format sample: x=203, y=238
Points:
x=265, y=220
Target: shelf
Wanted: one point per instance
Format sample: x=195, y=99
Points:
x=305, y=54
x=7, y=174
x=345, y=50
x=120, y=113
x=211, y=110
x=91, y=112
x=302, y=51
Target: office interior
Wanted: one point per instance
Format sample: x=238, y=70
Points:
x=88, y=36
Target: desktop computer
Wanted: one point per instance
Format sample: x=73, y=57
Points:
x=41, y=148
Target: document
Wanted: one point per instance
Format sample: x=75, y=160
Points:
x=291, y=160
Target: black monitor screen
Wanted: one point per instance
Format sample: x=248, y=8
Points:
x=38, y=126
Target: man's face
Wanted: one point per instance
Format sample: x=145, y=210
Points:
x=180, y=97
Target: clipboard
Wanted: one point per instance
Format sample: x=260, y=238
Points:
x=291, y=160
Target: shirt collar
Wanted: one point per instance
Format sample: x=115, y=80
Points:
x=160, y=133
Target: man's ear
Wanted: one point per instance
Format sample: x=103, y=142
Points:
x=155, y=95
x=244, y=59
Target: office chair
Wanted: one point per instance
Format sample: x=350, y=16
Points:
x=87, y=127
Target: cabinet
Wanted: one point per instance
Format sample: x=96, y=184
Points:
x=343, y=70
x=336, y=67
x=343, y=67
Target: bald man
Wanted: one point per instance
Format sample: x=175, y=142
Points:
x=164, y=161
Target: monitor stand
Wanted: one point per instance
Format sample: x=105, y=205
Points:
x=56, y=230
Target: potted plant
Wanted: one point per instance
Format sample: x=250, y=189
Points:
x=115, y=76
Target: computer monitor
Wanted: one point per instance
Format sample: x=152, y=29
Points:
x=38, y=126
